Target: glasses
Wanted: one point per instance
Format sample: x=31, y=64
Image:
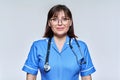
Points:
x=55, y=21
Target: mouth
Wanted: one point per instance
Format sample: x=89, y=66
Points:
x=60, y=28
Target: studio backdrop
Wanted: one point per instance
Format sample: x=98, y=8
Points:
x=96, y=22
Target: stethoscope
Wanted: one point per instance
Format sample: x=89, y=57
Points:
x=47, y=66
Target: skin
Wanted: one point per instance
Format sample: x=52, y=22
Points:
x=30, y=77
x=33, y=77
x=86, y=77
x=60, y=32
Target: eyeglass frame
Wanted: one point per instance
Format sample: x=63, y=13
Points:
x=55, y=20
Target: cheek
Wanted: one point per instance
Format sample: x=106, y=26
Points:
x=53, y=28
x=67, y=27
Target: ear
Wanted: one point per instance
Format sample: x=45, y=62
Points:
x=70, y=22
x=49, y=24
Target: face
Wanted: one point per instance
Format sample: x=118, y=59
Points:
x=60, y=24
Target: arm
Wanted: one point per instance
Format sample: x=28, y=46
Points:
x=86, y=77
x=30, y=77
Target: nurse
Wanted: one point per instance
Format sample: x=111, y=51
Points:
x=59, y=55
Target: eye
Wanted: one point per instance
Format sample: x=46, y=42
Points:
x=54, y=19
x=65, y=19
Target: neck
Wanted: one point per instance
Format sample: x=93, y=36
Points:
x=59, y=42
x=60, y=39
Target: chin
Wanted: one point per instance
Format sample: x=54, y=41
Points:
x=61, y=35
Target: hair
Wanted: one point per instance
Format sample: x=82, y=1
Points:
x=54, y=12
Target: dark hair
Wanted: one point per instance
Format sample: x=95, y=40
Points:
x=54, y=12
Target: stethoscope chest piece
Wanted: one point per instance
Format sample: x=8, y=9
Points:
x=46, y=67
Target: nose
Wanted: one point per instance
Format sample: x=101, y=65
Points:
x=59, y=22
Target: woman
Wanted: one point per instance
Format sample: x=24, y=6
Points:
x=59, y=56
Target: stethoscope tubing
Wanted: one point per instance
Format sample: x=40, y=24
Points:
x=47, y=66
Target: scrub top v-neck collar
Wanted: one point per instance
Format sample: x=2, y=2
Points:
x=65, y=46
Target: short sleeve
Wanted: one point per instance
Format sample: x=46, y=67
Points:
x=88, y=68
x=31, y=64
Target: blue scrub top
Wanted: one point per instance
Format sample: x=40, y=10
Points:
x=64, y=65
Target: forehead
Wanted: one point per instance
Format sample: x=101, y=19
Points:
x=60, y=13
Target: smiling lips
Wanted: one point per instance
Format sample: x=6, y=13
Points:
x=60, y=28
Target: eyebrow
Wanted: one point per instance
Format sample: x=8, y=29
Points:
x=57, y=13
x=62, y=17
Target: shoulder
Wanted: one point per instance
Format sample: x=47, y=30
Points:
x=80, y=42
x=41, y=41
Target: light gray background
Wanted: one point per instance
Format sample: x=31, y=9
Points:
x=97, y=22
